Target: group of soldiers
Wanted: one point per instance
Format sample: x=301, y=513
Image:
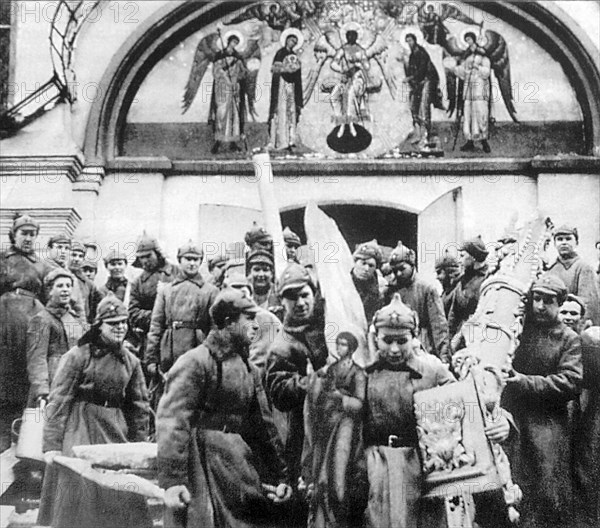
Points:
x=257, y=423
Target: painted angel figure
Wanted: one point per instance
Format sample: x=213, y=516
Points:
x=468, y=74
x=234, y=84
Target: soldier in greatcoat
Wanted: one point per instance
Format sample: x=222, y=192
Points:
x=547, y=377
x=180, y=317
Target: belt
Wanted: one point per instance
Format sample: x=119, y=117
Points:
x=96, y=399
x=23, y=291
x=175, y=325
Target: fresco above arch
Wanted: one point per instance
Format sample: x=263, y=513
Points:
x=355, y=78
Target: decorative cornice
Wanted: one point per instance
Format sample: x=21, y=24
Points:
x=49, y=167
x=53, y=221
x=89, y=180
x=373, y=167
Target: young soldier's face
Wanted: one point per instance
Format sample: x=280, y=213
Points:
x=190, y=264
x=116, y=268
x=570, y=314
x=90, y=273
x=565, y=244
x=59, y=252
x=261, y=275
x=114, y=332
x=245, y=328
x=364, y=268
x=60, y=293
x=300, y=304
x=148, y=260
x=76, y=259
x=394, y=344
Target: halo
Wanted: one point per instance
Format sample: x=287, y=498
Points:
x=414, y=30
x=481, y=38
x=222, y=42
x=436, y=6
x=352, y=26
x=278, y=6
x=292, y=31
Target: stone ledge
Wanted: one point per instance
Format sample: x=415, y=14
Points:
x=352, y=167
x=36, y=166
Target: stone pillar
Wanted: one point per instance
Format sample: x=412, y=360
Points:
x=86, y=188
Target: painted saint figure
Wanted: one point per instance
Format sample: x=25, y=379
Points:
x=423, y=81
x=286, y=92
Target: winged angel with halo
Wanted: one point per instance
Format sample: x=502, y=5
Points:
x=354, y=77
x=235, y=63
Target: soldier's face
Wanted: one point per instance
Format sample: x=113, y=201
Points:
x=291, y=252
x=544, y=307
x=565, y=244
x=76, y=259
x=403, y=272
x=245, y=328
x=364, y=268
x=113, y=332
x=116, y=268
x=148, y=260
x=466, y=260
x=261, y=275
x=190, y=264
x=394, y=344
x=60, y=293
x=90, y=273
x=59, y=252
x=570, y=314
x=25, y=238
x=300, y=304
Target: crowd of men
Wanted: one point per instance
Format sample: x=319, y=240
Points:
x=256, y=423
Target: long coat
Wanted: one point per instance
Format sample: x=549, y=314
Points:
x=287, y=380
x=216, y=435
x=52, y=333
x=425, y=300
x=549, y=359
x=180, y=319
x=21, y=290
x=580, y=279
x=143, y=294
x=90, y=294
x=465, y=298
x=99, y=396
x=369, y=295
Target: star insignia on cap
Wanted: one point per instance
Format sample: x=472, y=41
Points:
x=395, y=318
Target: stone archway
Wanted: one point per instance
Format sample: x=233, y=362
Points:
x=549, y=26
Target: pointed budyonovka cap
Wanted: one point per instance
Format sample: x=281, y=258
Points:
x=144, y=244
x=110, y=309
x=294, y=277
x=401, y=254
x=190, y=249
x=368, y=250
x=476, y=248
x=446, y=262
x=230, y=303
x=257, y=234
x=395, y=315
x=290, y=238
